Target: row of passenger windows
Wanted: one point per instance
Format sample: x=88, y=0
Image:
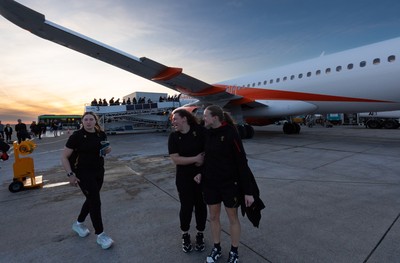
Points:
x=350, y=66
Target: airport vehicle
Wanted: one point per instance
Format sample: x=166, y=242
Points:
x=24, y=171
x=356, y=80
x=377, y=120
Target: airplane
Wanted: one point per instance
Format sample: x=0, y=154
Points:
x=362, y=79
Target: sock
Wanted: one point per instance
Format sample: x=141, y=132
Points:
x=234, y=249
x=217, y=246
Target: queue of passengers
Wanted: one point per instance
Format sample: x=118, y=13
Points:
x=112, y=102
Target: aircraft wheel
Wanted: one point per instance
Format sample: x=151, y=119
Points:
x=297, y=128
x=15, y=187
x=390, y=125
x=373, y=124
x=249, y=131
x=289, y=128
x=242, y=131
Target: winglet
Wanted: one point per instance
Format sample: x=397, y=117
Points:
x=21, y=15
x=167, y=74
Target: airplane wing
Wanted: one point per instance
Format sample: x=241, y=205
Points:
x=169, y=77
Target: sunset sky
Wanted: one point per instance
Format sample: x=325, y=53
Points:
x=211, y=40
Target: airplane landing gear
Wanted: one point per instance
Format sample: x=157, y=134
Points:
x=245, y=131
x=291, y=128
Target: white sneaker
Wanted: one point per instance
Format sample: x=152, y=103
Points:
x=81, y=229
x=104, y=241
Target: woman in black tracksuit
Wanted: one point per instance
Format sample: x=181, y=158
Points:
x=186, y=147
x=226, y=178
x=88, y=175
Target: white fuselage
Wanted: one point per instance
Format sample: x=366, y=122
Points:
x=356, y=80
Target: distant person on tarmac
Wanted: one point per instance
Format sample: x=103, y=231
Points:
x=87, y=172
x=22, y=133
x=41, y=129
x=33, y=128
x=186, y=149
x=1, y=130
x=8, y=130
x=54, y=127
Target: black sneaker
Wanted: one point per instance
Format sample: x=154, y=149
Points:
x=186, y=244
x=233, y=257
x=200, y=246
x=213, y=256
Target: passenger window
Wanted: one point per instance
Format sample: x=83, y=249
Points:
x=308, y=74
x=271, y=81
x=376, y=61
x=339, y=68
x=284, y=78
x=300, y=75
x=318, y=72
x=259, y=83
x=350, y=66
x=253, y=84
x=363, y=64
x=277, y=80
x=292, y=77
x=328, y=70
x=391, y=58
x=265, y=82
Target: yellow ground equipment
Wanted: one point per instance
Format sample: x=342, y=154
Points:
x=24, y=172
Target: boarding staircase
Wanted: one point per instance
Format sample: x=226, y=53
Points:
x=135, y=118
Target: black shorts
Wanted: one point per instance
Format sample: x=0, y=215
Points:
x=228, y=194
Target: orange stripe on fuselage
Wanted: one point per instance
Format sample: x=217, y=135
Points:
x=266, y=94
x=252, y=94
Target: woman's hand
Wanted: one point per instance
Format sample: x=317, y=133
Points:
x=248, y=200
x=199, y=159
x=197, y=178
x=107, y=150
x=73, y=180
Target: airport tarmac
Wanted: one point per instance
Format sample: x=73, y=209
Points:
x=331, y=195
